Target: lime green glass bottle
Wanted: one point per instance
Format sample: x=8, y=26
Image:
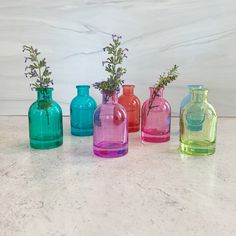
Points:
x=198, y=124
x=45, y=121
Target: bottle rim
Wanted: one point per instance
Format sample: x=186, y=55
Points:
x=152, y=87
x=199, y=90
x=41, y=89
x=191, y=86
x=82, y=86
x=128, y=85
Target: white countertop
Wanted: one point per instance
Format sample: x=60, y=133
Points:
x=151, y=191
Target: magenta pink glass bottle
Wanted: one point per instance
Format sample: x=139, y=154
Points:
x=110, y=137
x=156, y=118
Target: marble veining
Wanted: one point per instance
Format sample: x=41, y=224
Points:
x=197, y=35
x=152, y=191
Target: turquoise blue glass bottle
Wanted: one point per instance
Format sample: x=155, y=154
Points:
x=198, y=124
x=45, y=121
x=81, y=112
x=187, y=99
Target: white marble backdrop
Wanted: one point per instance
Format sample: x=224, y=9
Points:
x=198, y=35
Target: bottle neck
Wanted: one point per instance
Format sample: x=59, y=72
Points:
x=83, y=90
x=153, y=93
x=199, y=95
x=44, y=93
x=128, y=90
x=107, y=99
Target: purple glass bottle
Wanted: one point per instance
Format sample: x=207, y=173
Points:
x=110, y=137
x=156, y=118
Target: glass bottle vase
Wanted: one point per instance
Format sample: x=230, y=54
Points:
x=198, y=124
x=131, y=104
x=110, y=124
x=156, y=118
x=45, y=121
x=82, y=108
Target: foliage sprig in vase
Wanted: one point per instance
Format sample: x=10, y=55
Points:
x=113, y=67
x=162, y=82
x=45, y=115
x=37, y=71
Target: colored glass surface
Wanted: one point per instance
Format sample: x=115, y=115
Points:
x=110, y=137
x=156, y=118
x=131, y=104
x=198, y=124
x=45, y=121
x=187, y=99
x=82, y=108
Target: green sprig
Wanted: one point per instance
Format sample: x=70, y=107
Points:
x=36, y=69
x=163, y=81
x=112, y=66
x=166, y=78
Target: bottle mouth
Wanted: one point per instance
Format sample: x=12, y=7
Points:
x=82, y=86
x=200, y=90
x=109, y=92
x=192, y=86
x=152, y=87
x=128, y=86
x=41, y=89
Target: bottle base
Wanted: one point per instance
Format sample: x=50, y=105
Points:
x=196, y=148
x=155, y=138
x=133, y=129
x=110, y=149
x=39, y=144
x=81, y=132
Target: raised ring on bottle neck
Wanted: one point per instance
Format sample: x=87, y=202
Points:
x=44, y=93
x=159, y=93
x=199, y=94
x=128, y=89
x=83, y=90
x=108, y=98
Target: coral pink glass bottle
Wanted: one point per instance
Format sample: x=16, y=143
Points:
x=156, y=118
x=110, y=137
x=131, y=104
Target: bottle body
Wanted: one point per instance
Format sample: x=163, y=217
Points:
x=45, y=121
x=156, y=118
x=110, y=137
x=198, y=125
x=82, y=108
x=131, y=104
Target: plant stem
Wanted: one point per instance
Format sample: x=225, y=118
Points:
x=155, y=94
x=40, y=74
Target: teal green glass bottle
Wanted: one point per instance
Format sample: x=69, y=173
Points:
x=82, y=108
x=198, y=124
x=45, y=121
